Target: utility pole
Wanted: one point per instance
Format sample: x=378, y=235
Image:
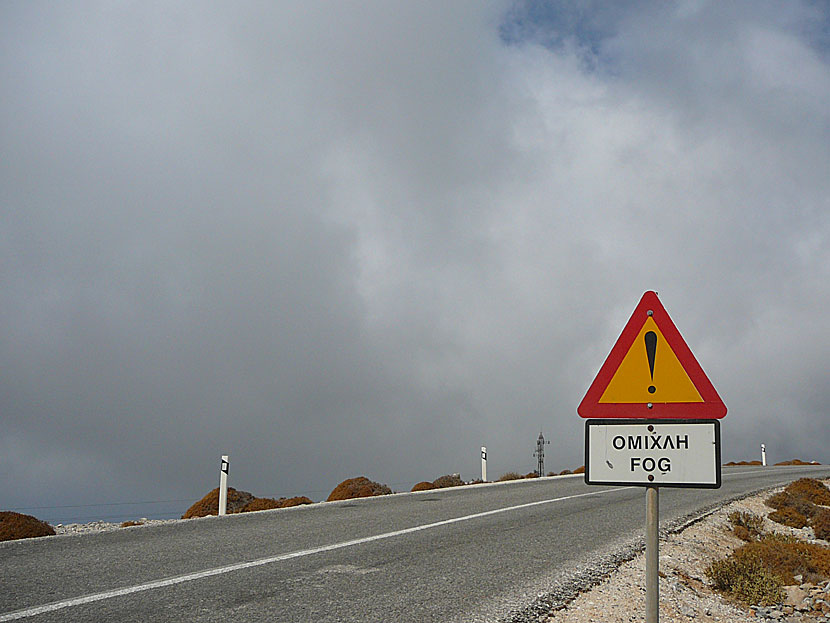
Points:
x=540, y=454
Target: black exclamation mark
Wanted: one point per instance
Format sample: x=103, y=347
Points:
x=651, y=352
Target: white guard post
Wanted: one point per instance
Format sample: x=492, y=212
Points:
x=223, y=485
x=763, y=455
x=484, y=463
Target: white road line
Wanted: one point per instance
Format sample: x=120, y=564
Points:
x=127, y=590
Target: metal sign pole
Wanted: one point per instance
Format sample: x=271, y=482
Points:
x=672, y=408
x=652, y=555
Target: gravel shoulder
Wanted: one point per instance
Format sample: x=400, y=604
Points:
x=685, y=594
x=106, y=526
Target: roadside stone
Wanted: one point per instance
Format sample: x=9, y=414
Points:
x=103, y=526
x=795, y=595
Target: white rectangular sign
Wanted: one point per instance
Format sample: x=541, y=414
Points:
x=659, y=453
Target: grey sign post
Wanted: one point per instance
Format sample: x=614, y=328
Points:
x=652, y=421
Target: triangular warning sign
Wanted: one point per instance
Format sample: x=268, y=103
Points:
x=651, y=373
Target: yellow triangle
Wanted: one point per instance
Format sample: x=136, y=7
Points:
x=632, y=380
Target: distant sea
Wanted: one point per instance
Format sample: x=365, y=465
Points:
x=115, y=512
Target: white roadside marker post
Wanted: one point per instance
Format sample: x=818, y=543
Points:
x=484, y=463
x=223, y=485
x=763, y=455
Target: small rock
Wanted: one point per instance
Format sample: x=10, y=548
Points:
x=798, y=578
x=794, y=595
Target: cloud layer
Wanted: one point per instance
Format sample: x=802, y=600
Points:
x=333, y=240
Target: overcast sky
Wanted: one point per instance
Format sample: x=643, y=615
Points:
x=334, y=239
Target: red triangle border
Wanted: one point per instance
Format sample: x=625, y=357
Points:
x=712, y=406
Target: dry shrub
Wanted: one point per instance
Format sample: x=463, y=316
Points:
x=360, y=487
x=15, y=526
x=532, y=475
x=800, y=504
x=510, y=476
x=565, y=472
x=784, y=499
x=579, y=470
x=788, y=516
x=821, y=524
x=798, y=462
x=779, y=500
x=786, y=557
x=266, y=504
x=811, y=490
x=450, y=480
x=209, y=505
x=746, y=526
x=128, y=524
x=746, y=579
x=261, y=504
x=755, y=572
x=423, y=486
x=298, y=500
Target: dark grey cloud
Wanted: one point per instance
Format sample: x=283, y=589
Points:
x=334, y=240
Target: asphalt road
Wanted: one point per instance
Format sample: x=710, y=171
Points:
x=466, y=554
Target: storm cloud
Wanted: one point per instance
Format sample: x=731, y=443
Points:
x=334, y=239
